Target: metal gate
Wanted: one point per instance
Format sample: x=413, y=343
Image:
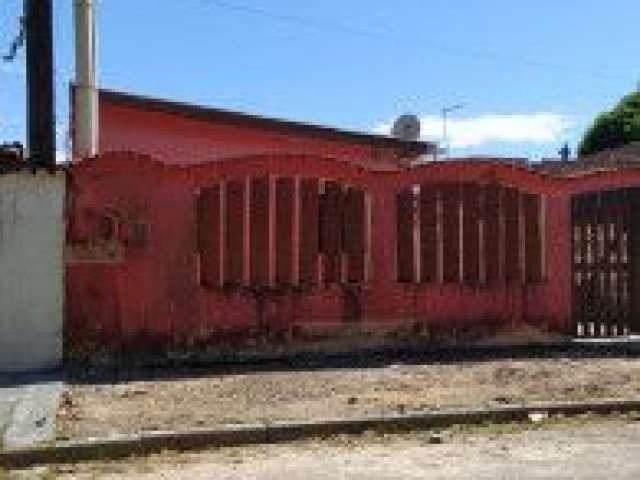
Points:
x=604, y=240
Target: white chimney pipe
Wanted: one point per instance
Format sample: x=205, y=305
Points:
x=86, y=93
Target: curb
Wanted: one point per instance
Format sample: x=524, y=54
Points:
x=198, y=439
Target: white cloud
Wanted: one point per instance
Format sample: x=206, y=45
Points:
x=13, y=68
x=539, y=128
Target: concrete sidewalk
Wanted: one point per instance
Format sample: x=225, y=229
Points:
x=28, y=408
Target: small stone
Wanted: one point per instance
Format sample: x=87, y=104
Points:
x=537, y=417
x=502, y=400
x=436, y=438
x=65, y=469
x=352, y=400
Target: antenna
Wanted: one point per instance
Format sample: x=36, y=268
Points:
x=406, y=127
x=445, y=111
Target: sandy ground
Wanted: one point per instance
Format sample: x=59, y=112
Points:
x=106, y=409
x=566, y=449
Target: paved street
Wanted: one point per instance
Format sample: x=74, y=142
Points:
x=600, y=449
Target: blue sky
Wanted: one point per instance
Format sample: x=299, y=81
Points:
x=532, y=74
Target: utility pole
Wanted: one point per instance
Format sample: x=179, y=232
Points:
x=41, y=140
x=85, y=124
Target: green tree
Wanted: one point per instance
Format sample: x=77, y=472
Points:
x=615, y=128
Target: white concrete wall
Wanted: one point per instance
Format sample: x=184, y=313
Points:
x=31, y=270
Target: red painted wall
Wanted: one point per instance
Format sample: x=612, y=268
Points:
x=144, y=271
x=135, y=276
x=184, y=140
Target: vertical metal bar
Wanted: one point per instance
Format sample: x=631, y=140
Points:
x=415, y=212
x=343, y=257
x=576, y=277
x=246, y=264
x=223, y=231
x=482, y=258
x=460, y=235
x=295, y=237
x=584, y=255
x=522, y=257
x=502, y=225
x=620, y=268
x=439, y=236
x=367, y=236
x=272, y=230
x=543, y=237
x=321, y=254
x=598, y=253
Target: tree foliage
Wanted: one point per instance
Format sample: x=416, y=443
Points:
x=614, y=128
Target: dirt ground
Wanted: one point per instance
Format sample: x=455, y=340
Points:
x=99, y=410
x=584, y=448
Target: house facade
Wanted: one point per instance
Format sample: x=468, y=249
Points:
x=204, y=232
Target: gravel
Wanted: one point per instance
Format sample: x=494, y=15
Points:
x=192, y=399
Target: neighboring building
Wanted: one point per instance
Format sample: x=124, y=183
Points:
x=620, y=158
x=183, y=134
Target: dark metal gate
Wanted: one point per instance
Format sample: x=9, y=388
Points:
x=605, y=247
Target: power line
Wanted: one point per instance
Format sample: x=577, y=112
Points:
x=473, y=53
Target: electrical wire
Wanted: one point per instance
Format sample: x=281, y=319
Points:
x=438, y=47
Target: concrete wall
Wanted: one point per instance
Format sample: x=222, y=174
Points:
x=154, y=264
x=31, y=270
